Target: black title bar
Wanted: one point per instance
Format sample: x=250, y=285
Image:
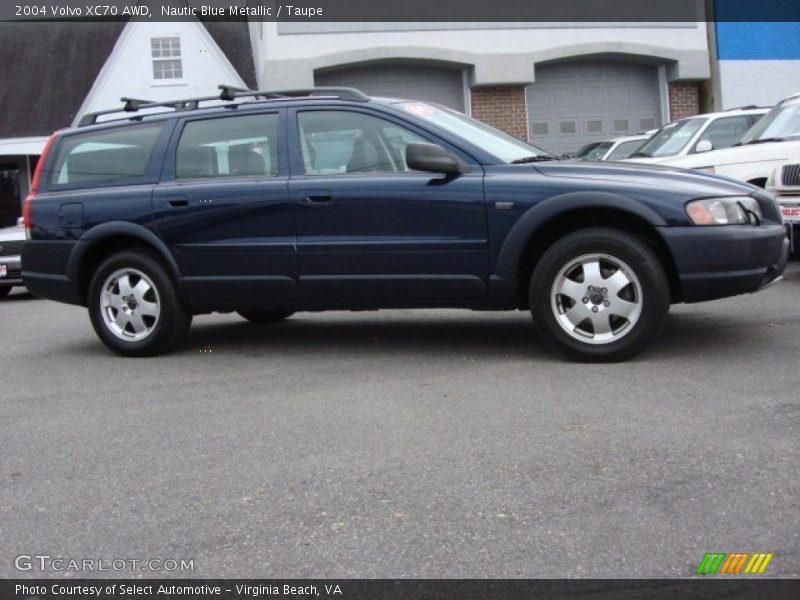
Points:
x=535, y=11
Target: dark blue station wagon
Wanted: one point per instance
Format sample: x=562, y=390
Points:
x=268, y=203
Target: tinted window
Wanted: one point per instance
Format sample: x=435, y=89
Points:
x=119, y=153
x=240, y=146
x=348, y=142
x=726, y=131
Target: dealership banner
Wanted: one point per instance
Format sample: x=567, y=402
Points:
x=402, y=589
x=541, y=11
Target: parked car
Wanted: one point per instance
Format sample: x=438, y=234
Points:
x=254, y=207
x=696, y=135
x=772, y=141
x=785, y=184
x=614, y=149
x=11, y=242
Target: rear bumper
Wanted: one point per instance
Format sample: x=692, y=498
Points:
x=716, y=262
x=45, y=268
x=13, y=270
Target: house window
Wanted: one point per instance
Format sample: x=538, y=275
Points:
x=166, y=58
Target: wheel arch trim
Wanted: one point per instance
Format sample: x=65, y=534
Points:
x=109, y=231
x=535, y=218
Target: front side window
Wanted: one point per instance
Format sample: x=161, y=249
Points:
x=671, y=139
x=338, y=142
x=240, y=146
x=118, y=153
x=166, y=52
x=725, y=132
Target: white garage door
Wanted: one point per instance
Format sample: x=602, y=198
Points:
x=571, y=104
x=433, y=84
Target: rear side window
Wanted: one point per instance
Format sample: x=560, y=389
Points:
x=108, y=155
x=240, y=146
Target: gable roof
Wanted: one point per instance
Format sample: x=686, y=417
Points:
x=47, y=70
x=233, y=38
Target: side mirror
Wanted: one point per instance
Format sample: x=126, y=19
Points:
x=430, y=157
x=703, y=146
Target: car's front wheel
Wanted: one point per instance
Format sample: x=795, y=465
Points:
x=600, y=294
x=134, y=305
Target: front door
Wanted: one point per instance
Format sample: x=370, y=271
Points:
x=223, y=208
x=371, y=230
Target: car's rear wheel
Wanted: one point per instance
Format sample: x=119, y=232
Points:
x=265, y=316
x=134, y=305
x=600, y=294
x=5, y=290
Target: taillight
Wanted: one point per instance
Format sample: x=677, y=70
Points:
x=26, y=206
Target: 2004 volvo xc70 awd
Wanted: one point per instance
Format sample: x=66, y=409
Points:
x=267, y=203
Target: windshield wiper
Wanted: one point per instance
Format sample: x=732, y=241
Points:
x=640, y=155
x=532, y=159
x=765, y=140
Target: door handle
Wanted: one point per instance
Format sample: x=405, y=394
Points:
x=318, y=198
x=177, y=201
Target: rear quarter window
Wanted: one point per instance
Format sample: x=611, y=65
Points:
x=110, y=155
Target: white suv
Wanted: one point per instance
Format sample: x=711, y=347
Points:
x=785, y=184
x=774, y=140
x=696, y=135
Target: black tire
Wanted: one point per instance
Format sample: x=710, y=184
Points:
x=648, y=292
x=265, y=316
x=5, y=290
x=173, y=320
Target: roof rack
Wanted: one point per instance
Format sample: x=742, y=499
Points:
x=746, y=107
x=227, y=93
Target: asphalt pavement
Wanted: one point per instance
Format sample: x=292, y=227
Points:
x=425, y=443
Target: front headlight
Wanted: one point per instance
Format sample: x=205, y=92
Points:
x=735, y=210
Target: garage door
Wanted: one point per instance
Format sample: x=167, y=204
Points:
x=434, y=84
x=571, y=104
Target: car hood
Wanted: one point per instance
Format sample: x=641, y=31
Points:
x=770, y=151
x=12, y=234
x=666, y=179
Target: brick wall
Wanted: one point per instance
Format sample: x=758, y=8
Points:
x=502, y=106
x=684, y=100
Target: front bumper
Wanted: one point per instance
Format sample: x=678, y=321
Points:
x=13, y=270
x=789, y=201
x=719, y=261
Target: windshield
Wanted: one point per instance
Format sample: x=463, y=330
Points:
x=598, y=152
x=624, y=150
x=584, y=150
x=493, y=141
x=782, y=122
x=671, y=139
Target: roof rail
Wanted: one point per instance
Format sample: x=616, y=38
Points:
x=227, y=93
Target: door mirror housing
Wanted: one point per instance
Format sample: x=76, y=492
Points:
x=703, y=146
x=432, y=158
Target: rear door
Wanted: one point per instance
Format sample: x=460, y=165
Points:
x=222, y=206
